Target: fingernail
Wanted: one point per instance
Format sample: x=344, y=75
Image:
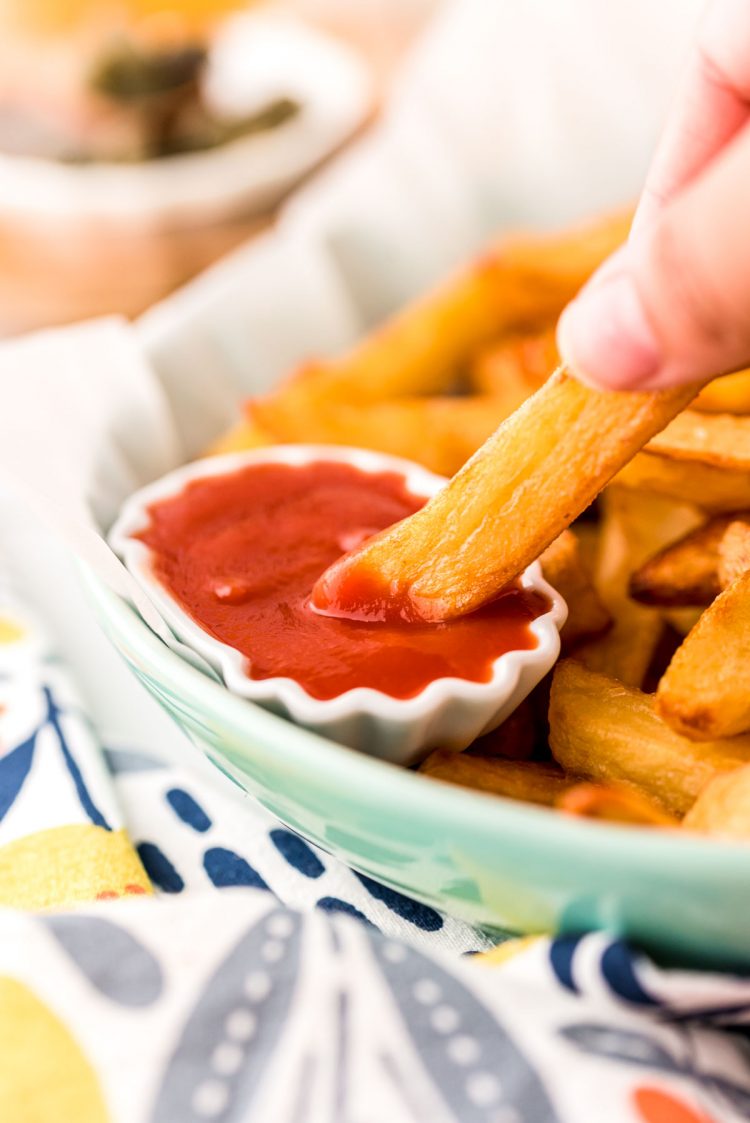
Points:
x=605, y=337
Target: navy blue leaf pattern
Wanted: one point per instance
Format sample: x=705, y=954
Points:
x=335, y=904
x=561, y=954
x=159, y=868
x=297, y=853
x=187, y=808
x=422, y=916
x=14, y=768
x=225, y=868
x=618, y=965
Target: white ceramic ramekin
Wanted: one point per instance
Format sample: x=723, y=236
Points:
x=449, y=712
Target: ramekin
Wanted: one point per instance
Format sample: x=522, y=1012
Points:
x=449, y=712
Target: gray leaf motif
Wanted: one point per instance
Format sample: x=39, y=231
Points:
x=738, y=1097
x=473, y=1061
x=233, y=1029
x=113, y=961
x=620, y=1045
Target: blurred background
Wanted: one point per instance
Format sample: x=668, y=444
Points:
x=141, y=140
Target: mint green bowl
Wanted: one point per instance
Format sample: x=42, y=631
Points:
x=490, y=861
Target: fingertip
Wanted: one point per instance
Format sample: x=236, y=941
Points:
x=605, y=336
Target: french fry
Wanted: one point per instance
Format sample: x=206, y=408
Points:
x=246, y=435
x=633, y=526
x=718, y=439
x=528, y=781
x=613, y=804
x=523, y=362
x=728, y=394
x=514, y=739
x=527, y=483
x=705, y=691
x=734, y=550
x=715, y=489
x=521, y=284
x=603, y=731
x=685, y=573
x=441, y=433
x=723, y=807
x=563, y=567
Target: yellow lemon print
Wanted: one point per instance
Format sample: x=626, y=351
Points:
x=44, y=1077
x=504, y=952
x=10, y=631
x=65, y=865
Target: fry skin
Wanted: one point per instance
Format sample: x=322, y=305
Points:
x=564, y=568
x=723, y=807
x=734, y=550
x=705, y=692
x=634, y=524
x=520, y=284
x=728, y=394
x=715, y=489
x=513, y=740
x=603, y=731
x=246, y=435
x=718, y=439
x=441, y=433
x=528, y=781
x=613, y=804
x=527, y=483
x=523, y=362
x=685, y=573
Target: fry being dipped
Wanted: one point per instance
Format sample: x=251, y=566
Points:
x=527, y=483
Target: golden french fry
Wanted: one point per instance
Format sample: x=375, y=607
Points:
x=614, y=804
x=634, y=525
x=723, y=807
x=523, y=362
x=714, y=489
x=718, y=439
x=685, y=573
x=734, y=550
x=441, y=433
x=521, y=283
x=728, y=394
x=705, y=691
x=246, y=435
x=529, y=781
x=527, y=483
x=514, y=739
x=564, y=568
x=604, y=731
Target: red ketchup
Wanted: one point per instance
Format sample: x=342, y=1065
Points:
x=242, y=552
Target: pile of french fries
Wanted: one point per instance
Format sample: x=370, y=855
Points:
x=639, y=505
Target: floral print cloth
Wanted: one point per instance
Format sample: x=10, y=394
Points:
x=170, y=956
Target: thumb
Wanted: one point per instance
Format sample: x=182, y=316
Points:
x=673, y=306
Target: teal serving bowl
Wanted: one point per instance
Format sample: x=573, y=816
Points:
x=490, y=861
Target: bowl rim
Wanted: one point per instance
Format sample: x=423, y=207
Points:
x=507, y=669
x=406, y=791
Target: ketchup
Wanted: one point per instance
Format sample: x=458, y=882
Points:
x=241, y=553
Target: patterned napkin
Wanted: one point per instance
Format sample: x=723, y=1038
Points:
x=196, y=1005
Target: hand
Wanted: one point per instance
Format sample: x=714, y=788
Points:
x=673, y=305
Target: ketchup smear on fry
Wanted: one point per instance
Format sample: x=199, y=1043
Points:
x=241, y=553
